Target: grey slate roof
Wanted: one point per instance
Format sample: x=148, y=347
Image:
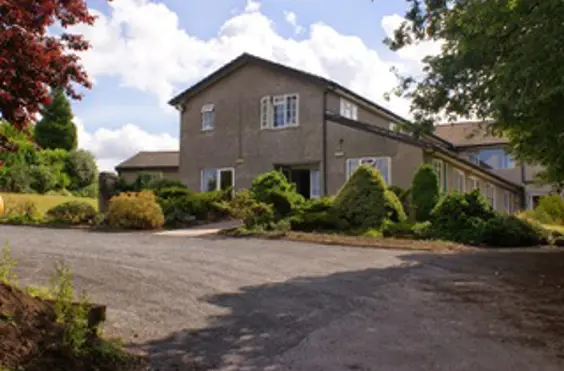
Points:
x=145, y=159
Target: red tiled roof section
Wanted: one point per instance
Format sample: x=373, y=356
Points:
x=162, y=159
x=467, y=134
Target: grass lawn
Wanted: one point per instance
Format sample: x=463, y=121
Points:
x=43, y=202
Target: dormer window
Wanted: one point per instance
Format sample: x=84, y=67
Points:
x=208, y=117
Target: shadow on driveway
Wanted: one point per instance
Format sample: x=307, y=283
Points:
x=268, y=324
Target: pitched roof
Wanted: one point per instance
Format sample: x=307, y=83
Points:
x=151, y=160
x=467, y=134
x=246, y=58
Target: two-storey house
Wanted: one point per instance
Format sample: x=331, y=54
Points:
x=253, y=115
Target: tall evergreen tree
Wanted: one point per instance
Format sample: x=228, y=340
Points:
x=56, y=129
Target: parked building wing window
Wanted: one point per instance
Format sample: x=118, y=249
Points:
x=208, y=117
x=497, y=158
x=279, y=111
x=349, y=109
x=382, y=164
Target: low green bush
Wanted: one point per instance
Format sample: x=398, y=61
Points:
x=253, y=213
x=404, y=195
x=318, y=221
x=25, y=212
x=394, y=208
x=361, y=201
x=425, y=192
x=550, y=209
x=172, y=192
x=422, y=230
x=73, y=213
x=511, y=231
x=135, y=211
x=90, y=191
x=397, y=229
x=159, y=184
x=460, y=217
x=42, y=179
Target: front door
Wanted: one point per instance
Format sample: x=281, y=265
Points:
x=305, y=179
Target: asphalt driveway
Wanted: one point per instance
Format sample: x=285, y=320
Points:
x=236, y=304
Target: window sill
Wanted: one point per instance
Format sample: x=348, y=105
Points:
x=206, y=130
x=281, y=128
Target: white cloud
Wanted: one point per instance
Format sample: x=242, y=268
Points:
x=111, y=147
x=143, y=45
x=292, y=19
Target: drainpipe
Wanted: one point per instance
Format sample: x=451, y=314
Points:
x=324, y=145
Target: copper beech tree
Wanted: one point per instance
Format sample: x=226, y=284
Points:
x=33, y=60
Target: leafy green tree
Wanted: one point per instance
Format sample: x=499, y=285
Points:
x=501, y=61
x=425, y=192
x=56, y=129
x=81, y=168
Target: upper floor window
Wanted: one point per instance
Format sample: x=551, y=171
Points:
x=459, y=181
x=497, y=158
x=394, y=126
x=349, y=109
x=208, y=117
x=382, y=164
x=279, y=111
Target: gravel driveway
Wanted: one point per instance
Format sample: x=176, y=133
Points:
x=236, y=304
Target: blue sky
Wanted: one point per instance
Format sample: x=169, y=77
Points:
x=145, y=51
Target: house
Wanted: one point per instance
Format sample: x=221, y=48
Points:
x=473, y=142
x=160, y=164
x=253, y=115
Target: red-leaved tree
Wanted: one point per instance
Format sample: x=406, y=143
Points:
x=32, y=59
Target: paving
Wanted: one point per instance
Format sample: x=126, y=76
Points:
x=248, y=304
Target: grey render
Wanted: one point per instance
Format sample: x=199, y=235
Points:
x=238, y=142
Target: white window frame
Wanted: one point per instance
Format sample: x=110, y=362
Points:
x=475, y=184
x=368, y=160
x=507, y=202
x=314, y=184
x=461, y=180
x=208, y=111
x=267, y=105
x=393, y=126
x=203, y=188
x=441, y=165
x=489, y=186
x=349, y=109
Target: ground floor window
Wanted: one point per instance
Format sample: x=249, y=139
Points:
x=473, y=183
x=439, y=167
x=508, y=202
x=382, y=164
x=459, y=181
x=217, y=179
x=490, y=194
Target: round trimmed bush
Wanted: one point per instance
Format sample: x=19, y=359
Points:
x=135, y=211
x=274, y=189
x=81, y=168
x=425, y=192
x=73, y=213
x=361, y=201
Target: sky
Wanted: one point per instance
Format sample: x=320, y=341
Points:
x=146, y=51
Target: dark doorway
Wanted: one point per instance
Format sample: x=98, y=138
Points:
x=301, y=177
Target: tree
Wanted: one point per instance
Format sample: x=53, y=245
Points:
x=425, y=192
x=32, y=59
x=502, y=61
x=56, y=129
x=82, y=169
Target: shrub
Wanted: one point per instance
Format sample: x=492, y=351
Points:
x=361, y=201
x=135, y=211
x=181, y=207
x=318, y=221
x=394, y=229
x=510, y=231
x=553, y=207
x=144, y=180
x=460, y=217
x=158, y=184
x=538, y=215
x=253, y=213
x=73, y=213
x=56, y=160
x=425, y=192
x=23, y=212
x=404, y=195
x=16, y=179
x=394, y=208
x=273, y=188
x=81, y=168
x=90, y=191
x=171, y=193
x=422, y=230
x=42, y=179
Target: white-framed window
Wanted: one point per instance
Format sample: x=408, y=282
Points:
x=490, y=194
x=459, y=181
x=439, y=167
x=473, y=183
x=382, y=164
x=497, y=158
x=349, y=109
x=279, y=111
x=315, y=187
x=393, y=126
x=217, y=179
x=208, y=117
x=508, y=202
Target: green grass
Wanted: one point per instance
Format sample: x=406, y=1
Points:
x=43, y=202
